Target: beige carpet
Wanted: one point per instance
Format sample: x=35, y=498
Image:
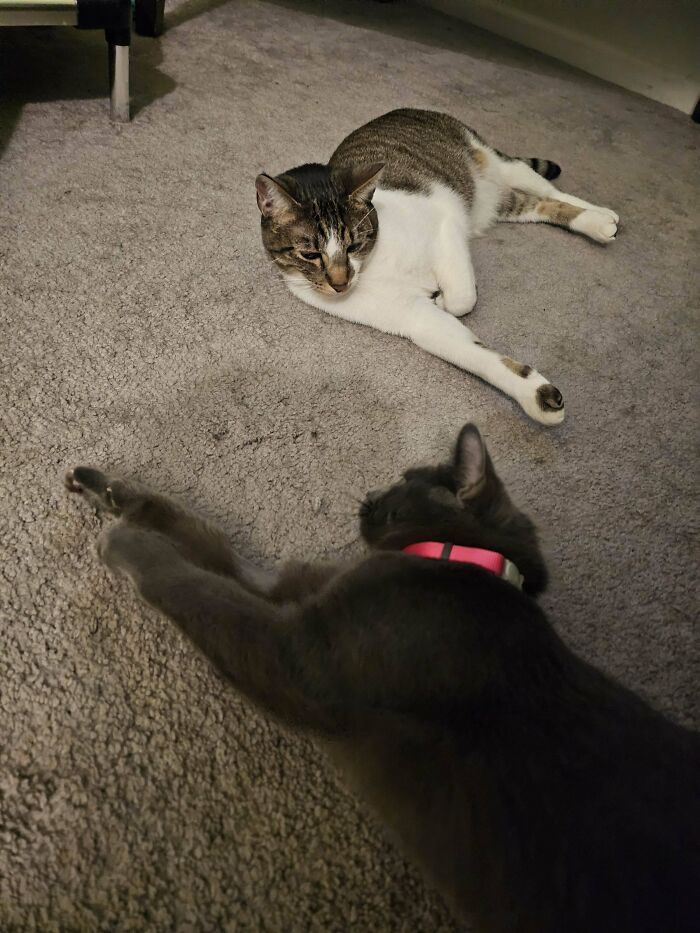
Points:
x=142, y=326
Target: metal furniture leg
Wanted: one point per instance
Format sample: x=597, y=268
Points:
x=114, y=16
x=118, y=81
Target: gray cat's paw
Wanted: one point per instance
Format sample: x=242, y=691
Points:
x=99, y=489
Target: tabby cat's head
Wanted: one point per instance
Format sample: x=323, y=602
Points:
x=318, y=223
x=460, y=502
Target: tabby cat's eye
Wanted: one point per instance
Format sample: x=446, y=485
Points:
x=353, y=247
x=310, y=256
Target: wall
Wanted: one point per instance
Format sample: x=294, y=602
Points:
x=648, y=46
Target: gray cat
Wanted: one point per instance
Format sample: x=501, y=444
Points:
x=538, y=794
x=381, y=234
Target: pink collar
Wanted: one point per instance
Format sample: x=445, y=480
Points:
x=490, y=560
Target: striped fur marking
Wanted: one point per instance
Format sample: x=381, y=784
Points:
x=520, y=369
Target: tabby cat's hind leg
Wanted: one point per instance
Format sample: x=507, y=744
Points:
x=522, y=207
x=519, y=175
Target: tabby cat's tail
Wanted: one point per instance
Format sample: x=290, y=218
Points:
x=544, y=167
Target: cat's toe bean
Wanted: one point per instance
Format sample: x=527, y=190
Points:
x=545, y=404
x=549, y=398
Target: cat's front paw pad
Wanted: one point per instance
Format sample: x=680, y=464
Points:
x=550, y=399
x=86, y=479
x=71, y=482
x=599, y=225
x=545, y=404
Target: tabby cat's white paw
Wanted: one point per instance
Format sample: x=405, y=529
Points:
x=456, y=301
x=459, y=303
x=599, y=226
x=543, y=402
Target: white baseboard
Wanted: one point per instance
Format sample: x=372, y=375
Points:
x=577, y=48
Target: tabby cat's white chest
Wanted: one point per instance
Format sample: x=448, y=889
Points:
x=410, y=226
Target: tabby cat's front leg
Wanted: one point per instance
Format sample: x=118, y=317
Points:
x=441, y=334
x=454, y=271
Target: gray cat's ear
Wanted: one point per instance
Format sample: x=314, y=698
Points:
x=471, y=462
x=273, y=199
x=363, y=179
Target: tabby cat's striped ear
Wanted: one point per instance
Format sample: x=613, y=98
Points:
x=273, y=198
x=363, y=179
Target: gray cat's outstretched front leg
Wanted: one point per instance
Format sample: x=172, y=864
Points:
x=256, y=645
x=200, y=542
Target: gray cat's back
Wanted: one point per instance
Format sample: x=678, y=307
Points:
x=419, y=147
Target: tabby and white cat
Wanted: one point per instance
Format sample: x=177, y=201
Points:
x=428, y=183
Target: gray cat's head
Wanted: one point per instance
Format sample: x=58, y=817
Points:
x=319, y=224
x=463, y=502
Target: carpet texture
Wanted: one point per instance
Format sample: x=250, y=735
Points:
x=143, y=328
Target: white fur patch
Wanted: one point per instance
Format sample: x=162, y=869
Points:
x=333, y=246
x=596, y=225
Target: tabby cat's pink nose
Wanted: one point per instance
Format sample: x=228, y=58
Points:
x=339, y=288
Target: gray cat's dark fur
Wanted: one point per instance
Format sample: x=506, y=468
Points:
x=538, y=794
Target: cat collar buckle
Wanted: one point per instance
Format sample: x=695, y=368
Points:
x=489, y=560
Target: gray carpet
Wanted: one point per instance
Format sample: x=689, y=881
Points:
x=142, y=327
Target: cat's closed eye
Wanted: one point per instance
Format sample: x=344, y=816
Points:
x=310, y=256
x=353, y=247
